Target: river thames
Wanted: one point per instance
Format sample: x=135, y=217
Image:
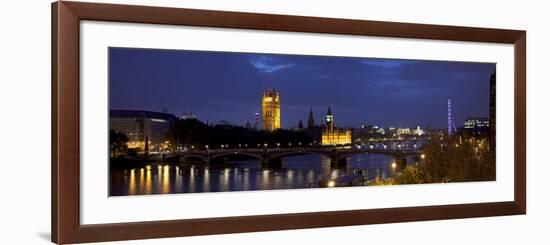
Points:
x=303, y=171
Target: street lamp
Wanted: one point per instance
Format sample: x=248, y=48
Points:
x=422, y=156
x=393, y=168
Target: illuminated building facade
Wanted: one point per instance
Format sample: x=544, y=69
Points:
x=476, y=122
x=141, y=125
x=477, y=125
x=271, y=110
x=402, y=131
x=332, y=135
x=418, y=131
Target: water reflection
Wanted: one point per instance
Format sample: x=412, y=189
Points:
x=132, y=184
x=148, y=181
x=296, y=172
x=166, y=179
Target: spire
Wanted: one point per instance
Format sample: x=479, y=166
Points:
x=329, y=113
x=300, y=125
x=310, y=121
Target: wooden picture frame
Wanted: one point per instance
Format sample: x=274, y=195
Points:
x=66, y=226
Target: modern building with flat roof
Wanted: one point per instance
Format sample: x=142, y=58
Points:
x=477, y=125
x=140, y=125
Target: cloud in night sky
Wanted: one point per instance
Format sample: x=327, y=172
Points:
x=227, y=86
x=387, y=63
x=268, y=64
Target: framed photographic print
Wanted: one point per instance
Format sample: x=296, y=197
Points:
x=176, y=122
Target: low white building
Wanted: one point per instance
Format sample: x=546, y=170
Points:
x=418, y=131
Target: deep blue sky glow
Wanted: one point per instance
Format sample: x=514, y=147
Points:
x=227, y=86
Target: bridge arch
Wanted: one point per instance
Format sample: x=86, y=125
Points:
x=296, y=153
x=192, y=156
x=237, y=153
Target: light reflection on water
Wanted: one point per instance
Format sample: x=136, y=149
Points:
x=296, y=172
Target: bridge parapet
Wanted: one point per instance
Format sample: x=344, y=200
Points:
x=266, y=155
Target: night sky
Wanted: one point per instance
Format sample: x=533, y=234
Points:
x=227, y=86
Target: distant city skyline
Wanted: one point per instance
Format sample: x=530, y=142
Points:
x=227, y=86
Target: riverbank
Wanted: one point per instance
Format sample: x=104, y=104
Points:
x=127, y=163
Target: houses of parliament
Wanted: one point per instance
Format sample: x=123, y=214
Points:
x=271, y=110
x=327, y=134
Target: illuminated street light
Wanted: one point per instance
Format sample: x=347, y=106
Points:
x=393, y=165
x=422, y=156
x=331, y=183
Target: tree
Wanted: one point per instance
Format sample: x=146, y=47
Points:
x=380, y=181
x=410, y=175
x=457, y=158
x=118, y=143
x=196, y=133
x=189, y=132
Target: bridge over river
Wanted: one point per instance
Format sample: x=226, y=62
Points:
x=272, y=156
